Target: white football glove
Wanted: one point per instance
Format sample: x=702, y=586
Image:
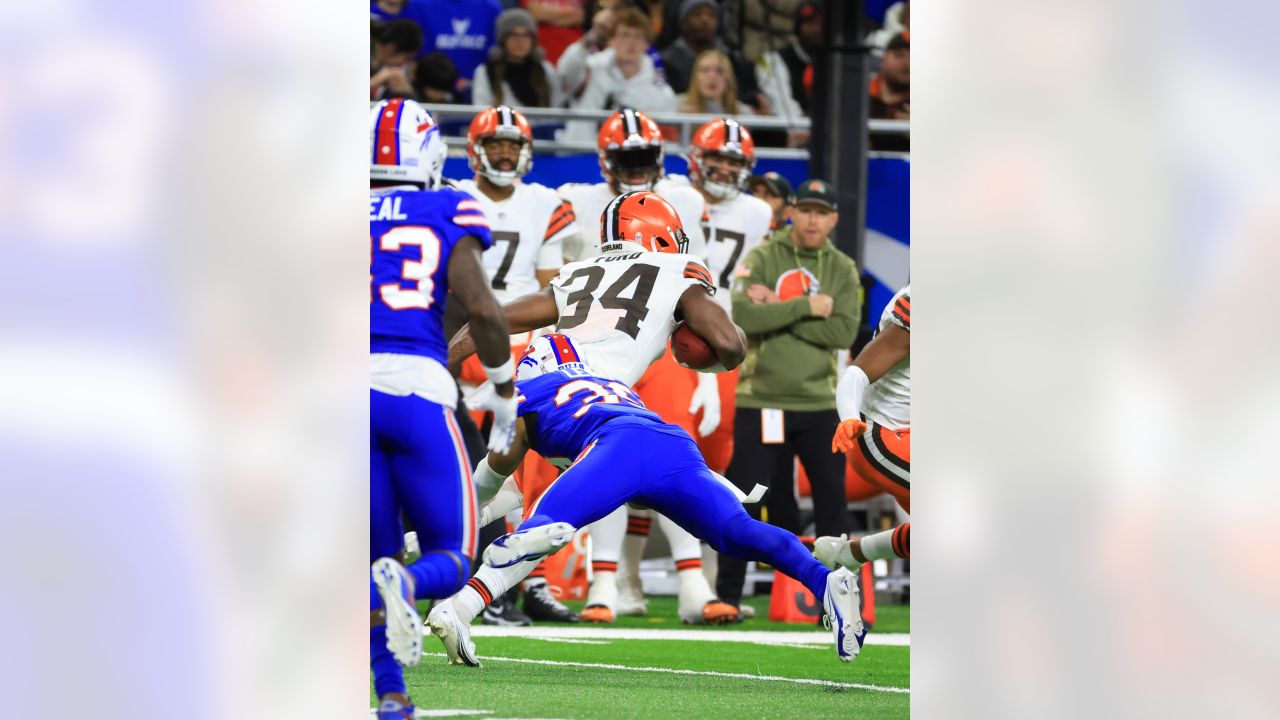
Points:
x=481, y=397
x=834, y=552
x=707, y=399
x=504, y=423
x=486, y=397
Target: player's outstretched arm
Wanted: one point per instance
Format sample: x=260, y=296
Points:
x=711, y=323
x=886, y=349
x=489, y=325
x=505, y=463
x=525, y=313
x=493, y=475
x=471, y=288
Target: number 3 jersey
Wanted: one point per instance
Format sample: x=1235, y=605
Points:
x=620, y=307
x=413, y=234
x=529, y=229
x=565, y=410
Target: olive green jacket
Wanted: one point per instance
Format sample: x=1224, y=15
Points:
x=791, y=355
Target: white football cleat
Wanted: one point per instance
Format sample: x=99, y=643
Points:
x=404, y=624
x=455, y=634
x=528, y=544
x=844, y=617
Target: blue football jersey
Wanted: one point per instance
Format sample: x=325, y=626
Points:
x=565, y=410
x=413, y=233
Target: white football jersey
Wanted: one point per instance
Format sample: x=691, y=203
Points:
x=888, y=401
x=619, y=308
x=589, y=202
x=735, y=227
x=529, y=229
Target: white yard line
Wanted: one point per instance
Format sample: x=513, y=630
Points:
x=708, y=673
x=443, y=712
x=759, y=637
x=571, y=641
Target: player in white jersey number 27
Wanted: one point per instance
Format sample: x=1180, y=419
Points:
x=529, y=223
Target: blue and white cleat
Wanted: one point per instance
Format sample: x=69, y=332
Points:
x=843, y=616
x=404, y=624
x=392, y=710
x=528, y=544
x=455, y=634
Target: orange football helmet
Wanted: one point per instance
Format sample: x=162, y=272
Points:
x=641, y=220
x=505, y=123
x=630, y=143
x=728, y=139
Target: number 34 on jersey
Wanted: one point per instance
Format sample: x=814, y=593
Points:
x=623, y=306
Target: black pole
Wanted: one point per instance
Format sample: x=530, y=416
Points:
x=838, y=148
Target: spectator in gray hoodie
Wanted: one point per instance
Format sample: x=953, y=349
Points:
x=621, y=75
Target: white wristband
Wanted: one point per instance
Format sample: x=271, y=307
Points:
x=501, y=374
x=849, y=392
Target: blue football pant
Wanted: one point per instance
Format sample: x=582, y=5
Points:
x=659, y=466
x=418, y=465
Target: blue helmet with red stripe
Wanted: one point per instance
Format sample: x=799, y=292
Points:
x=405, y=144
x=548, y=353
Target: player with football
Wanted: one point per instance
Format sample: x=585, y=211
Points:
x=529, y=223
x=426, y=241
x=623, y=452
x=630, y=152
x=720, y=161
x=877, y=387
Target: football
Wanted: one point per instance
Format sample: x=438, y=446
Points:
x=690, y=350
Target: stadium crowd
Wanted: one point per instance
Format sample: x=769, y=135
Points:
x=736, y=57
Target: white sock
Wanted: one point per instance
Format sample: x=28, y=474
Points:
x=632, y=553
x=686, y=551
x=694, y=589
x=684, y=546
x=468, y=602
x=878, y=546
x=604, y=590
x=607, y=534
x=606, y=544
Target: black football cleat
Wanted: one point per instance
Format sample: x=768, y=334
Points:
x=540, y=605
x=503, y=611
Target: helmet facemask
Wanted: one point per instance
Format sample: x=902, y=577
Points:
x=737, y=179
x=503, y=178
x=619, y=161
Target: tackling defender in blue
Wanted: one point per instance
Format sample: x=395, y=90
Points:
x=426, y=240
x=623, y=452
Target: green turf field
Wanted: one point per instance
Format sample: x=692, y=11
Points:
x=560, y=677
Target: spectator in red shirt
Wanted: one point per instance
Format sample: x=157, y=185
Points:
x=559, y=24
